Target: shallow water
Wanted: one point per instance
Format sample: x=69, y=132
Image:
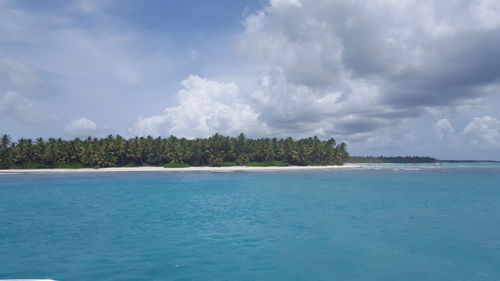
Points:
x=383, y=223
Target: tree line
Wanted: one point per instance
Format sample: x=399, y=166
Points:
x=394, y=159
x=217, y=150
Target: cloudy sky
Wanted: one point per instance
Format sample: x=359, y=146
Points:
x=389, y=77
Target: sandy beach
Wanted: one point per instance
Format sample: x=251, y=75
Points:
x=189, y=169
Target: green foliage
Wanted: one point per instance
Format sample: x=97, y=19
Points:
x=33, y=166
x=5, y=152
x=217, y=150
x=278, y=164
x=176, y=165
x=397, y=159
x=229, y=164
x=242, y=159
x=258, y=164
x=315, y=164
x=216, y=160
x=70, y=166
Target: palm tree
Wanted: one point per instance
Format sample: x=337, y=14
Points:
x=117, y=151
x=5, y=155
x=342, y=154
x=5, y=142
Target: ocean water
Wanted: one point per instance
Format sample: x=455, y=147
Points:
x=384, y=222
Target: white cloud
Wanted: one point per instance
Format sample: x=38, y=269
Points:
x=204, y=107
x=359, y=71
x=80, y=126
x=353, y=68
x=443, y=128
x=356, y=71
x=484, y=131
x=281, y=3
x=486, y=13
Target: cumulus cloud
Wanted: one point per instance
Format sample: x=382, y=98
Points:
x=484, y=131
x=374, y=63
x=81, y=126
x=204, y=107
x=374, y=73
x=354, y=70
x=443, y=128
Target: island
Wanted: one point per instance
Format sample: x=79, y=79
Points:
x=171, y=152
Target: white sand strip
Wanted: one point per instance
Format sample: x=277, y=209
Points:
x=189, y=169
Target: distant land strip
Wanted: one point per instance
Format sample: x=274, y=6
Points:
x=409, y=160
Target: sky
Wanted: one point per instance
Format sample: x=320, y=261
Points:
x=388, y=77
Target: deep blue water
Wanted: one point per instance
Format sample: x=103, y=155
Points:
x=388, y=224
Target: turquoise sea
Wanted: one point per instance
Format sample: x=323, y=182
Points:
x=383, y=222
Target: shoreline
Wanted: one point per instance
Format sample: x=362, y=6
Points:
x=188, y=169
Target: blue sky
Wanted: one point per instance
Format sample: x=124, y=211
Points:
x=387, y=77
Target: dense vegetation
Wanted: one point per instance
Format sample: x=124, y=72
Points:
x=397, y=159
x=469, y=161
x=116, y=151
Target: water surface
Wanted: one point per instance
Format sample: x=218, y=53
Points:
x=401, y=222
